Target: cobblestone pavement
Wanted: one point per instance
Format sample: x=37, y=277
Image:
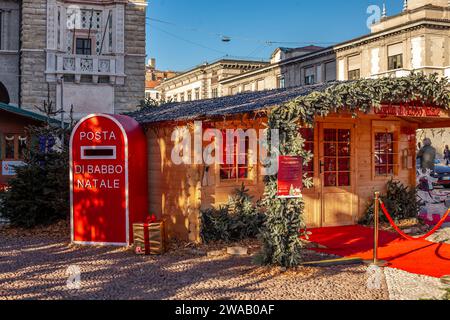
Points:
x=35, y=267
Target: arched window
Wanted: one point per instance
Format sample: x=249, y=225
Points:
x=4, y=96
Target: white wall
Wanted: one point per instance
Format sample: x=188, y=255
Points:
x=86, y=98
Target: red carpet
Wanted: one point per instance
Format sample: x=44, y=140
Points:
x=417, y=256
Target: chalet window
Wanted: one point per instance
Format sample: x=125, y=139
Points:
x=22, y=147
x=385, y=157
x=12, y=146
x=235, y=171
x=308, y=136
x=337, y=160
x=84, y=46
x=395, y=56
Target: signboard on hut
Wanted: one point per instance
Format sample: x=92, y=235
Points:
x=290, y=177
x=408, y=110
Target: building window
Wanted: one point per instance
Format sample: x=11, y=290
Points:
x=309, y=80
x=84, y=46
x=181, y=97
x=260, y=86
x=281, y=83
x=309, y=76
x=354, y=67
x=103, y=79
x=395, y=56
x=385, y=154
x=308, y=135
x=197, y=94
x=215, y=93
x=189, y=95
x=235, y=171
x=330, y=71
x=354, y=74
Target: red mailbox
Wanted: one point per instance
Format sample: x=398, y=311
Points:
x=108, y=179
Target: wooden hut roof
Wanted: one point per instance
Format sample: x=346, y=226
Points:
x=228, y=105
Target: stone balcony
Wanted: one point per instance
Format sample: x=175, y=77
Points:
x=96, y=66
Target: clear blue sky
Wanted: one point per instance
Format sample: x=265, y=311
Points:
x=189, y=32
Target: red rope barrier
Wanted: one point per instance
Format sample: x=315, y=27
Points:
x=404, y=235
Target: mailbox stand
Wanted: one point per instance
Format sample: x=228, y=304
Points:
x=108, y=179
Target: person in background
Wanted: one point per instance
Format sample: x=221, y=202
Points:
x=447, y=155
x=427, y=155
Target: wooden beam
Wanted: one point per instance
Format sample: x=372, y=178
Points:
x=333, y=262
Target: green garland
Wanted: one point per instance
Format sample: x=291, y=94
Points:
x=285, y=224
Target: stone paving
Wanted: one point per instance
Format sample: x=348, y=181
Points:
x=38, y=266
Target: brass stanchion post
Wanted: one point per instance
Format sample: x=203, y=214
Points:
x=376, y=227
x=376, y=233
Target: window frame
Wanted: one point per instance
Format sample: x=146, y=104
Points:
x=251, y=168
x=83, y=48
x=310, y=80
x=16, y=145
x=391, y=62
x=358, y=76
x=391, y=127
x=281, y=83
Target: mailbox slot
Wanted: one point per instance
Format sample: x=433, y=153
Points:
x=99, y=153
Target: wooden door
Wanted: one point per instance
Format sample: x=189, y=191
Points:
x=337, y=174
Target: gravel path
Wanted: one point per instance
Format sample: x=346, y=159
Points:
x=407, y=286
x=35, y=267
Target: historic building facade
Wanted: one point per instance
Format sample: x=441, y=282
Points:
x=203, y=82
x=287, y=68
x=153, y=78
x=418, y=39
x=9, y=51
x=85, y=54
